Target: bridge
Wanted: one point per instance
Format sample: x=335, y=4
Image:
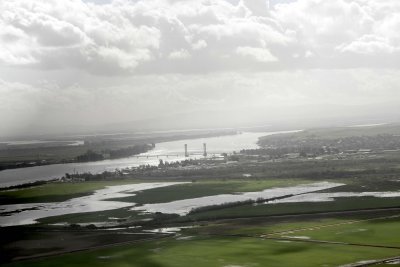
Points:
x=185, y=154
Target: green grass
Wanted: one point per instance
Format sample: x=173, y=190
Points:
x=340, y=204
x=220, y=252
x=124, y=215
x=53, y=192
x=365, y=184
x=375, y=232
x=63, y=191
x=370, y=230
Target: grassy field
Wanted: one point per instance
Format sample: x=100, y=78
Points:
x=372, y=230
x=292, y=242
x=217, y=251
x=340, y=204
x=221, y=243
x=106, y=216
x=207, y=188
x=54, y=192
x=158, y=195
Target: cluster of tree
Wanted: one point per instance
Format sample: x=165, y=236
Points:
x=319, y=145
x=278, y=146
x=129, y=151
x=25, y=164
x=280, y=152
x=310, y=169
x=236, y=203
x=91, y=155
x=183, y=163
x=224, y=206
x=109, y=175
x=26, y=185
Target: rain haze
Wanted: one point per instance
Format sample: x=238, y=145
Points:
x=79, y=66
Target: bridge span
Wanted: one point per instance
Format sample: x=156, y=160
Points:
x=186, y=153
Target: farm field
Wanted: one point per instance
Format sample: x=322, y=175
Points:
x=326, y=242
x=280, y=234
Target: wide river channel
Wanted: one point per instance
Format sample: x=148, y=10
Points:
x=167, y=151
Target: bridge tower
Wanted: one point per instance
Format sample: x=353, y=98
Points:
x=204, y=149
x=186, y=151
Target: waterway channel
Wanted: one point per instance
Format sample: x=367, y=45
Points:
x=167, y=151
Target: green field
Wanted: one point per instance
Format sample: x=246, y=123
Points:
x=217, y=251
x=54, y=192
x=207, y=188
x=380, y=231
x=340, y=204
x=254, y=241
x=292, y=242
x=107, y=216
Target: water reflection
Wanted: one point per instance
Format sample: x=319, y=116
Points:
x=184, y=206
x=21, y=214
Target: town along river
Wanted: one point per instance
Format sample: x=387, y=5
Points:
x=167, y=151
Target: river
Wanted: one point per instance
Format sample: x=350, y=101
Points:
x=215, y=146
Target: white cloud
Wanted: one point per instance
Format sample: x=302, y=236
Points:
x=200, y=44
x=368, y=44
x=71, y=34
x=259, y=54
x=179, y=54
x=126, y=37
x=308, y=54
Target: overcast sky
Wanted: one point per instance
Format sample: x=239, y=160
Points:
x=202, y=63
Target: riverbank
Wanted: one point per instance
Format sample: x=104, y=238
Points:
x=167, y=152
x=40, y=153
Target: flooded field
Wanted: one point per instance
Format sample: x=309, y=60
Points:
x=120, y=196
x=184, y=206
x=21, y=214
x=324, y=197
